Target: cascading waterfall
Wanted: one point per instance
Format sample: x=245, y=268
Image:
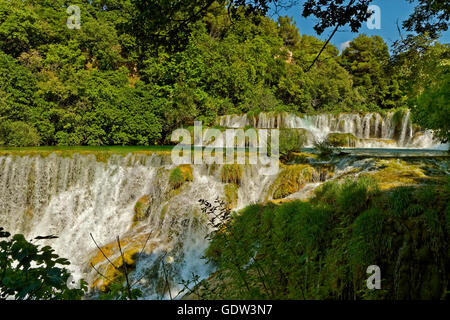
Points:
x=71, y=197
x=371, y=130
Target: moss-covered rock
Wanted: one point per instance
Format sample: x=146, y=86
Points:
x=180, y=175
x=131, y=247
x=141, y=208
x=291, y=179
x=395, y=172
x=302, y=157
x=347, y=140
x=231, y=195
x=232, y=173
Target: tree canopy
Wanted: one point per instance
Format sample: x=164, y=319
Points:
x=113, y=82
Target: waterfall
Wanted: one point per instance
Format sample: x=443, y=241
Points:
x=71, y=197
x=371, y=130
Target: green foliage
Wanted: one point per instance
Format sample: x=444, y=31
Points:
x=432, y=110
x=342, y=139
x=180, y=175
x=132, y=74
x=354, y=196
x=367, y=60
x=322, y=248
x=366, y=241
x=17, y=87
x=118, y=290
x=291, y=140
x=291, y=179
x=401, y=198
x=18, y=134
x=32, y=273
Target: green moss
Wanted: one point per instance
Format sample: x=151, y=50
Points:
x=180, y=175
x=102, y=154
x=395, y=173
x=231, y=194
x=232, y=173
x=141, y=208
x=342, y=140
x=291, y=179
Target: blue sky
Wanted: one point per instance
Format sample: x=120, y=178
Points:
x=390, y=10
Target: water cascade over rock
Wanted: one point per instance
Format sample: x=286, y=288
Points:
x=132, y=196
x=368, y=130
x=71, y=197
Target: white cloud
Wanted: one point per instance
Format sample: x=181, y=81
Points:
x=345, y=45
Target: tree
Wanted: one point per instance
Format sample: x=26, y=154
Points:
x=19, y=30
x=17, y=88
x=288, y=32
x=32, y=273
x=429, y=16
x=432, y=108
x=416, y=60
x=367, y=60
x=18, y=134
x=169, y=24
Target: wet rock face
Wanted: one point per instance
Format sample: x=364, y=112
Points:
x=113, y=270
x=141, y=208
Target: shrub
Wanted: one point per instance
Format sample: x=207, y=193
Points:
x=323, y=148
x=33, y=273
x=350, y=196
x=291, y=140
x=327, y=193
x=400, y=200
x=365, y=244
x=18, y=134
x=354, y=196
x=342, y=140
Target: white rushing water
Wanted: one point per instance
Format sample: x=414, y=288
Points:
x=71, y=197
x=372, y=130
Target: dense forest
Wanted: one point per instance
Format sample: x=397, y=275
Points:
x=103, y=84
